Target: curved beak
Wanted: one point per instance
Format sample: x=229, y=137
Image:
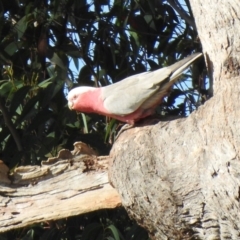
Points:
x=70, y=105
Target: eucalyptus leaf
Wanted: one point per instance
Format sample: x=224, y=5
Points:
x=11, y=48
x=21, y=26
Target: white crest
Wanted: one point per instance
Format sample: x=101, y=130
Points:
x=79, y=90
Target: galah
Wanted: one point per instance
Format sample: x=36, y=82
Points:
x=134, y=97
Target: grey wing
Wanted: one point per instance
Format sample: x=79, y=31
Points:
x=128, y=95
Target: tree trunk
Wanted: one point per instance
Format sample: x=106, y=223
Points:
x=180, y=179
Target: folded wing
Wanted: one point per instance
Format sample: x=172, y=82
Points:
x=144, y=89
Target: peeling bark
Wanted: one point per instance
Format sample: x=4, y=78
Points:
x=71, y=184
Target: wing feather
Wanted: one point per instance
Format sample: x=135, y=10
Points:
x=128, y=95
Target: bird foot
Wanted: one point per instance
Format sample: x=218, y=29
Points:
x=124, y=128
x=144, y=122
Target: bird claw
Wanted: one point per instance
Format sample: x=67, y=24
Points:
x=149, y=121
x=124, y=128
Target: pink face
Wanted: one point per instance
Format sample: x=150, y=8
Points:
x=76, y=96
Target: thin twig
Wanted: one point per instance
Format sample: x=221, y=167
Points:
x=10, y=125
x=183, y=14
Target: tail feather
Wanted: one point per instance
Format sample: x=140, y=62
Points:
x=165, y=85
x=178, y=68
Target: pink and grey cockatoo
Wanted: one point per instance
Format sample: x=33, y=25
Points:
x=134, y=97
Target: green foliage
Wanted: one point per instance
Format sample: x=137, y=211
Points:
x=48, y=47
x=42, y=42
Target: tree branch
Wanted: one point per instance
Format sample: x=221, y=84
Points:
x=70, y=184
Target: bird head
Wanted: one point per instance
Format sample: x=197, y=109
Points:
x=76, y=96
